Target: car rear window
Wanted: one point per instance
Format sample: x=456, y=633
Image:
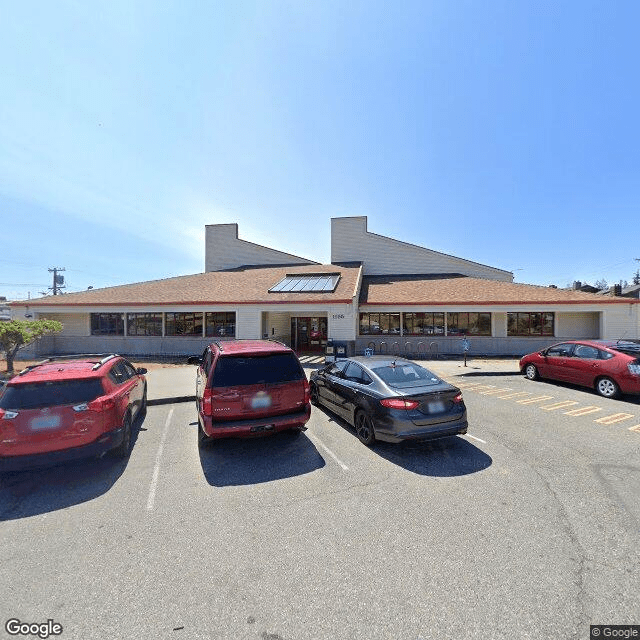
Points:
x=405, y=374
x=50, y=394
x=630, y=348
x=231, y=371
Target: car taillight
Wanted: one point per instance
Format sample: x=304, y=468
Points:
x=99, y=404
x=399, y=403
x=307, y=392
x=634, y=368
x=207, y=403
x=458, y=399
x=8, y=415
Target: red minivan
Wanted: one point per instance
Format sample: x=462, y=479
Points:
x=70, y=407
x=249, y=388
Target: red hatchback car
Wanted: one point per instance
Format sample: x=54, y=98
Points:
x=610, y=367
x=70, y=407
x=250, y=388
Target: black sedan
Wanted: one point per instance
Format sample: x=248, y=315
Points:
x=389, y=399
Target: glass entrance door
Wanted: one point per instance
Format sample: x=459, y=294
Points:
x=309, y=334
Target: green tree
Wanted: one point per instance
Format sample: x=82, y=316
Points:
x=16, y=334
x=636, y=277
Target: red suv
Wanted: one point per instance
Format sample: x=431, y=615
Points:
x=610, y=367
x=250, y=387
x=70, y=407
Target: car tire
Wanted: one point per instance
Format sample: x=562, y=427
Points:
x=531, y=372
x=313, y=394
x=124, y=448
x=203, y=439
x=142, y=411
x=607, y=388
x=364, y=428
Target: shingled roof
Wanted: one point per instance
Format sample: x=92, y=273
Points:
x=447, y=289
x=244, y=285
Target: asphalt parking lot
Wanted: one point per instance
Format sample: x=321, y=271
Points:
x=526, y=527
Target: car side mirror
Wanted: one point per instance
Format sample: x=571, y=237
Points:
x=141, y=371
x=194, y=360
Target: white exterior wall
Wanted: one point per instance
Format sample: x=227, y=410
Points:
x=499, y=324
x=343, y=321
x=249, y=322
x=224, y=250
x=621, y=321
x=74, y=324
x=577, y=325
x=278, y=326
x=380, y=255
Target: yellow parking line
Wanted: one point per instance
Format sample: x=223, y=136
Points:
x=613, y=418
x=474, y=386
x=636, y=428
x=583, y=411
x=536, y=399
x=559, y=405
x=514, y=395
x=494, y=391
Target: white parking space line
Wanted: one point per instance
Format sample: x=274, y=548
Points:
x=156, y=468
x=559, y=405
x=317, y=442
x=478, y=439
x=614, y=417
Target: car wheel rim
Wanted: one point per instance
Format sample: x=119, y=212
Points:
x=531, y=372
x=606, y=387
x=364, y=430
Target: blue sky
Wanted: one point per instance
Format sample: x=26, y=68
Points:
x=501, y=132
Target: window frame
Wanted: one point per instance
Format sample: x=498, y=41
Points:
x=104, y=318
x=146, y=320
x=184, y=317
x=219, y=318
x=524, y=318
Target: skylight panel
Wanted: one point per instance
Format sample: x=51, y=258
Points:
x=307, y=283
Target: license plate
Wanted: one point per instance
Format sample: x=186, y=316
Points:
x=261, y=400
x=436, y=407
x=46, y=422
x=264, y=427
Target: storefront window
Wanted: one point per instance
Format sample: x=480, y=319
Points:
x=107, y=324
x=468, y=324
x=379, y=323
x=530, y=324
x=221, y=324
x=418, y=324
x=144, y=324
x=184, y=324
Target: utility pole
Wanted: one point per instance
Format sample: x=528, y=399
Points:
x=58, y=281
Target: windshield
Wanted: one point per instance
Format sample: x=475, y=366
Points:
x=233, y=371
x=50, y=394
x=406, y=374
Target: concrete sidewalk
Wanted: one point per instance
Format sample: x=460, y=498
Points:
x=171, y=384
x=178, y=384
